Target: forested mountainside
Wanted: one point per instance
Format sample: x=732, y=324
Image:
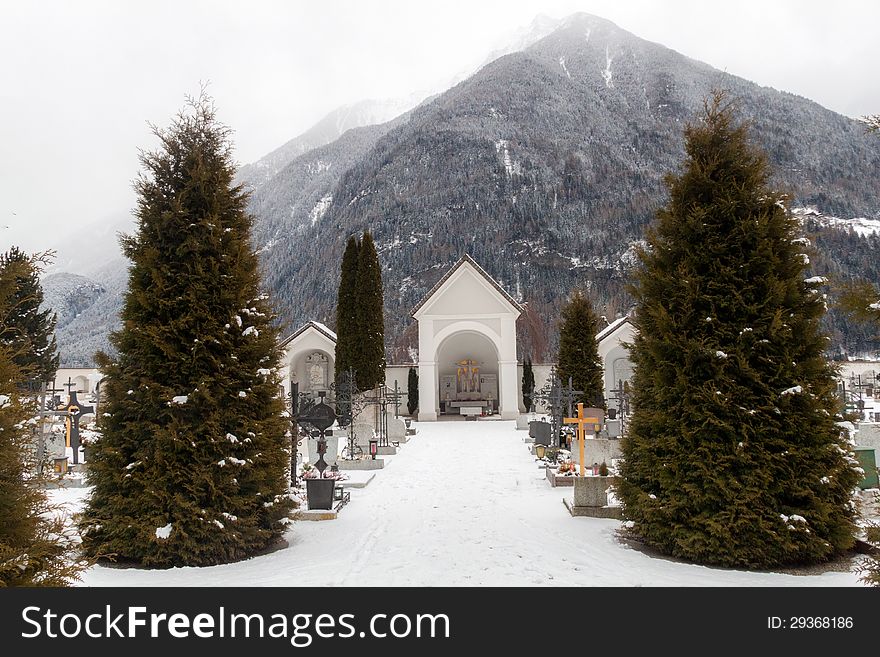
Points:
x=545, y=166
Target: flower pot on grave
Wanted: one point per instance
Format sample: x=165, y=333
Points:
x=319, y=493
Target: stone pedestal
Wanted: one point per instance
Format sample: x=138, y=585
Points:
x=591, y=498
x=522, y=421
x=362, y=464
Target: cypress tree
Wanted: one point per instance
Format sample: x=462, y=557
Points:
x=35, y=547
x=579, y=352
x=733, y=457
x=412, y=391
x=370, y=356
x=190, y=468
x=27, y=332
x=528, y=384
x=347, y=339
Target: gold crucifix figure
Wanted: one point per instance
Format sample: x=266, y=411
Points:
x=593, y=424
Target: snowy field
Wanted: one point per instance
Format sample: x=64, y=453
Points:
x=461, y=504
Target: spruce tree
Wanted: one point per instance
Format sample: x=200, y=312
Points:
x=733, y=457
x=370, y=355
x=528, y=384
x=36, y=549
x=347, y=339
x=190, y=469
x=579, y=352
x=27, y=332
x=412, y=391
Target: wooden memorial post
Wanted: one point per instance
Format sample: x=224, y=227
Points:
x=583, y=424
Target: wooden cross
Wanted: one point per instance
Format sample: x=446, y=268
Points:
x=584, y=425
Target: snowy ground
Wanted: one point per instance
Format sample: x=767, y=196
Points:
x=462, y=504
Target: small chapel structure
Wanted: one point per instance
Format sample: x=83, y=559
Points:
x=310, y=356
x=467, y=346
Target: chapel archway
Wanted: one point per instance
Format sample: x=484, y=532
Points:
x=467, y=373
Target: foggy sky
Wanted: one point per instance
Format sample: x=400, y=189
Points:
x=79, y=80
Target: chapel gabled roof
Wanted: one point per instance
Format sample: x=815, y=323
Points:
x=318, y=326
x=467, y=259
x=612, y=327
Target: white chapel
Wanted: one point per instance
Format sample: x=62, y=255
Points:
x=467, y=345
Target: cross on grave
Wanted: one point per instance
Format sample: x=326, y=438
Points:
x=320, y=416
x=394, y=397
x=381, y=401
x=74, y=409
x=557, y=399
x=584, y=424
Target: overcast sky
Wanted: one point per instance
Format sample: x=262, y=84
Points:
x=80, y=79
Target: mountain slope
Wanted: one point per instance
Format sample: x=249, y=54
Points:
x=547, y=164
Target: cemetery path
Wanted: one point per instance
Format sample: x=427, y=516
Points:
x=463, y=503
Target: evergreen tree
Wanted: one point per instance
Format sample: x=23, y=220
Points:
x=190, y=469
x=35, y=547
x=347, y=340
x=861, y=299
x=412, y=391
x=27, y=332
x=579, y=352
x=528, y=384
x=370, y=356
x=733, y=457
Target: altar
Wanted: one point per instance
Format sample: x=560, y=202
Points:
x=469, y=391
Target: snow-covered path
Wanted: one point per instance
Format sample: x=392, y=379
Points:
x=462, y=504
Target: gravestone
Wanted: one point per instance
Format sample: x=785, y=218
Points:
x=397, y=430
x=596, y=450
x=540, y=431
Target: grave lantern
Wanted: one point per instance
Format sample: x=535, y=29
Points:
x=337, y=494
x=540, y=450
x=374, y=448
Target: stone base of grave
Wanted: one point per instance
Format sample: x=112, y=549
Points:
x=613, y=512
x=528, y=440
x=387, y=450
x=591, y=498
x=360, y=482
x=67, y=482
x=316, y=514
x=556, y=479
x=362, y=464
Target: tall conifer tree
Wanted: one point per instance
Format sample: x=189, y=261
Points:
x=27, y=332
x=190, y=469
x=579, y=352
x=528, y=384
x=733, y=457
x=346, y=309
x=370, y=356
x=35, y=547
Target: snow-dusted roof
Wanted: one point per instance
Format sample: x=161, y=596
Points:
x=318, y=326
x=467, y=259
x=612, y=327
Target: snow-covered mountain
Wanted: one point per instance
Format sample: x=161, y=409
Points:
x=545, y=165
